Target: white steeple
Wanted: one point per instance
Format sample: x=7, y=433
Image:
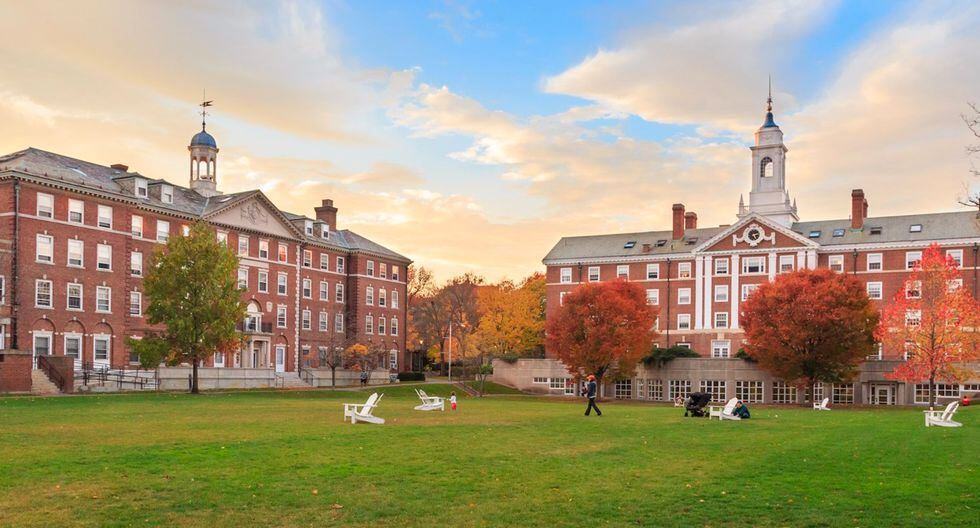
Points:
x=204, y=159
x=769, y=196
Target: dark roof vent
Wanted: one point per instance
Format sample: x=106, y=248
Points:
x=915, y=228
x=661, y=243
x=876, y=230
x=630, y=245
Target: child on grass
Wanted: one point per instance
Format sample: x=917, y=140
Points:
x=452, y=400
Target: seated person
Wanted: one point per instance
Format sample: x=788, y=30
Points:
x=741, y=411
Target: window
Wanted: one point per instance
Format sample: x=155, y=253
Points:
x=814, y=234
x=384, y=270
x=721, y=319
x=786, y=263
x=369, y=324
x=100, y=347
x=943, y=390
x=324, y=261
x=913, y=289
x=263, y=281
x=306, y=319
x=338, y=322
x=679, y=389
x=912, y=259
x=45, y=205
x=716, y=388
x=163, y=232
x=394, y=326
x=394, y=299
x=624, y=390
x=622, y=272
x=283, y=252
x=136, y=263
x=382, y=297
x=915, y=228
x=323, y=322
x=783, y=392
x=874, y=261
x=836, y=263
x=136, y=226
x=340, y=264
x=684, y=270
x=142, y=191
x=338, y=292
x=956, y=255
x=874, y=290
x=691, y=241
x=105, y=217
x=45, y=249
x=683, y=296
x=593, y=273
x=263, y=249
x=561, y=298
x=222, y=237
x=325, y=231
x=167, y=194
x=683, y=321
x=721, y=293
x=281, y=284
x=753, y=265
x=838, y=233
x=721, y=266
x=308, y=227
x=653, y=271
x=721, y=349
x=370, y=268
x=877, y=355
x=307, y=289
x=135, y=303
x=76, y=211
x=749, y=391
x=653, y=297
x=565, y=276
x=394, y=273
x=307, y=258
x=747, y=290
x=103, y=257
x=655, y=389
x=281, y=316
x=381, y=325
x=369, y=296
x=243, y=245
x=42, y=343
x=324, y=291
x=843, y=393
x=630, y=245
x=103, y=299
x=3, y=295
x=73, y=346
x=74, y=296
x=242, y=278
x=913, y=318
x=875, y=230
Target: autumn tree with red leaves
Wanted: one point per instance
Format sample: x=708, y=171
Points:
x=933, y=319
x=809, y=326
x=602, y=328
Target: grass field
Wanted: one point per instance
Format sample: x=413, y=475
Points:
x=286, y=459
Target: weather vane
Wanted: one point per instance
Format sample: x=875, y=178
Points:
x=204, y=109
x=769, y=100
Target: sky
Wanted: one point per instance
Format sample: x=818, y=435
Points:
x=472, y=136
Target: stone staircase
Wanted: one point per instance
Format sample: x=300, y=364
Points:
x=41, y=385
x=291, y=380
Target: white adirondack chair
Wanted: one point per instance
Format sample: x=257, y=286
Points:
x=363, y=411
x=943, y=418
x=430, y=403
x=724, y=413
x=822, y=406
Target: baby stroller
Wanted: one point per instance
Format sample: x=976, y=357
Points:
x=696, y=403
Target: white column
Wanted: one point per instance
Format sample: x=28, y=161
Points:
x=801, y=259
x=709, y=295
x=772, y=265
x=811, y=259
x=698, y=277
x=736, y=293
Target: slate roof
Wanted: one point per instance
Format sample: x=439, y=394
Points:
x=607, y=246
x=93, y=177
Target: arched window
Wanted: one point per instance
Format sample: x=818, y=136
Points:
x=766, y=168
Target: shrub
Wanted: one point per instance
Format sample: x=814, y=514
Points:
x=659, y=357
x=509, y=358
x=411, y=376
x=742, y=354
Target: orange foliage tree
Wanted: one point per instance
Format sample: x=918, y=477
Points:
x=809, y=326
x=934, y=320
x=602, y=328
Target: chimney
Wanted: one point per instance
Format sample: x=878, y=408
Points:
x=859, y=209
x=327, y=213
x=690, y=220
x=647, y=248
x=119, y=167
x=678, y=227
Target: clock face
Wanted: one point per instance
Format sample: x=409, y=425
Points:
x=754, y=234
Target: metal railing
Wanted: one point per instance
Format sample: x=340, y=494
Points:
x=53, y=374
x=101, y=375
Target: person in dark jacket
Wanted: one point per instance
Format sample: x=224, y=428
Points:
x=591, y=391
x=741, y=410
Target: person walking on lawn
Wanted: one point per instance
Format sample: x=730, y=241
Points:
x=591, y=391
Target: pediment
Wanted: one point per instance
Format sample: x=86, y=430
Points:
x=255, y=214
x=754, y=232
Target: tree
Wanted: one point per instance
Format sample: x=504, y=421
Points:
x=333, y=356
x=603, y=328
x=360, y=356
x=511, y=320
x=932, y=318
x=809, y=326
x=192, y=288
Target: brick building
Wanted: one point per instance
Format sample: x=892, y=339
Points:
x=76, y=236
x=698, y=276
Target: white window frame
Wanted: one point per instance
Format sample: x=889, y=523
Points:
x=307, y=319
x=282, y=252
x=42, y=334
x=721, y=348
x=653, y=271
x=338, y=292
x=324, y=261
x=138, y=296
x=76, y=207
x=787, y=263
x=141, y=188
x=382, y=297
x=263, y=281
x=683, y=270
x=370, y=268
x=911, y=257
x=747, y=290
x=393, y=326
x=45, y=205
x=102, y=338
x=623, y=271
x=565, y=276
x=324, y=291
x=323, y=322
x=103, y=257
x=282, y=283
x=80, y=296
x=873, y=288
x=754, y=261
x=721, y=293
x=136, y=264
x=163, y=231
x=683, y=296
x=263, y=249
x=369, y=296
x=338, y=322
x=75, y=337
x=875, y=262
x=341, y=264
x=836, y=263
x=595, y=274
x=956, y=255
x=136, y=226
x=44, y=249
x=307, y=258
x=167, y=193
x=104, y=219
x=282, y=316
x=99, y=291
x=369, y=324
x=683, y=321
x=382, y=325
x=243, y=278
x=721, y=266
x=720, y=320
x=653, y=297
x=307, y=288
x=394, y=299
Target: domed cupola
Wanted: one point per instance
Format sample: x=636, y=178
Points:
x=204, y=159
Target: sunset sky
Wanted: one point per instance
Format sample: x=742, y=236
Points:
x=471, y=136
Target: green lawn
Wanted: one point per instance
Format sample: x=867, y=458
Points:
x=286, y=459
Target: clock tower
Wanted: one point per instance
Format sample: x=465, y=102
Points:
x=768, y=196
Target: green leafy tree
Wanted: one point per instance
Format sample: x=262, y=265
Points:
x=192, y=289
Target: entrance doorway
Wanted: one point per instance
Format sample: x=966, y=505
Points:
x=280, y=358
x=882, y=395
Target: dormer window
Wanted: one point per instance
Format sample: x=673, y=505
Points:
x=141, y=188
x=692, y=240
x=814, y=234
x=661, y=243
x=167, y=194
x=875, y=231
x=838, y=233
x=325, y=231
x=309, y=227
x=630, y=245
x=915, y=228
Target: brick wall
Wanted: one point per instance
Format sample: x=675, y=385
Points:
x=15, y=371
